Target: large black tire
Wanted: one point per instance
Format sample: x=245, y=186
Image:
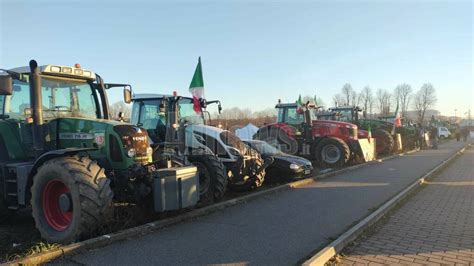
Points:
x=255, y=180
x=409, y=143
x=212, y=177
x=384, y=141
x=75, y=182
x=332, y=152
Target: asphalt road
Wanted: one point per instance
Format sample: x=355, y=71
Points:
x=279, y=229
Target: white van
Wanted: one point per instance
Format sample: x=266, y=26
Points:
x=443, y=132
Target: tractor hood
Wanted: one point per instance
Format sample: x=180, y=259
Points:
x=122, y=142
x=218, y=141
x=204, y=130
x=337, y=123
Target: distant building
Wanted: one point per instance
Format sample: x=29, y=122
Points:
x=466, y=122
x=413, y=115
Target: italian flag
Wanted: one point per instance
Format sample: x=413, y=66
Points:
x=197, y=87
x=398, y=120
x=299, y=105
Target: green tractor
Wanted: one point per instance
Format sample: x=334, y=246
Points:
x=407, y=131
x=62, y=155
x=382, y=131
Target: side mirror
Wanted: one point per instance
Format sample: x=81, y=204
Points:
x=203, y=103
x=127, y=95
x=6, y=85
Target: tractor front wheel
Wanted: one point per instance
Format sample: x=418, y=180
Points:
x=332, y=152
x=70, y=198
x=212, y=177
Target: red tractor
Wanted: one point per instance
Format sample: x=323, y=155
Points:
x=297, y=131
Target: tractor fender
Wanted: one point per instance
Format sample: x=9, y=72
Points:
x=46, y=157
x=53, y=154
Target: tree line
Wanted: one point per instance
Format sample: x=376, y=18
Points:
x=383, y=102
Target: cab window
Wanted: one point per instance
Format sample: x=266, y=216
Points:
x=293, y=117
x=150, y=116
x=18, y=101
x=60, y=98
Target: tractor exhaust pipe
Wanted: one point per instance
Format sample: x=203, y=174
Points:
x=36, y=107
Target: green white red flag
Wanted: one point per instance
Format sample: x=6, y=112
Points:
x=398, y=120
x=197, y=87
x=299, y=105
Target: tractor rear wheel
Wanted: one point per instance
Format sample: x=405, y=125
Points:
x=332, y=152
x=71, y=198
x=384, y=141
x=212, y=177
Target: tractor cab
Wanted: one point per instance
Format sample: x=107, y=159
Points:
x=347, y=113
x=298, y=117
x=178, y=125
x=157, y=113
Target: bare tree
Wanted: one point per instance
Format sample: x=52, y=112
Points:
x=338, y=99
x=380, y=96
x=314, y=100
x=354, y=98
x=425, y=98
x=402, y=95
x=388, y=103
x=347, y=93
x=371, y=105
x=367, y=99
x=360, y=99
x=383, y=101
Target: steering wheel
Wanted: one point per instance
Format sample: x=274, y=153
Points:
x=57, y=107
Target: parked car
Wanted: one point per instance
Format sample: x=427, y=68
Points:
x=443, y=132
x=284, y=167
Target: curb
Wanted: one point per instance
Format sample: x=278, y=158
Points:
x=147, y=228
x=336, y=246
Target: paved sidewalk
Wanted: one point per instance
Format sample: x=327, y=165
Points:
x=277, y=229
x=434, y=226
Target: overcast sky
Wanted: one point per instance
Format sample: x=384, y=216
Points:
x=253, y=53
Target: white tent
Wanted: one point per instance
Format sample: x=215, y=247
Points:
x=246, y=132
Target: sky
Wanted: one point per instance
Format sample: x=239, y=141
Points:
x=253, y=52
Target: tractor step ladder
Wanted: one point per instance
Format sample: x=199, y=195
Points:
x=11, y=189
x=14, y=182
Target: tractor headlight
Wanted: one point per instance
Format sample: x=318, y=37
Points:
x=149, y=151
x=131, y=153
x=294, y=166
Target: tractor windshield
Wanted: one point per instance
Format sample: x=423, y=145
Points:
x=291, y=115
x=60, y=98
x=187, y=114
x=345, y=115
x=147, y=113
